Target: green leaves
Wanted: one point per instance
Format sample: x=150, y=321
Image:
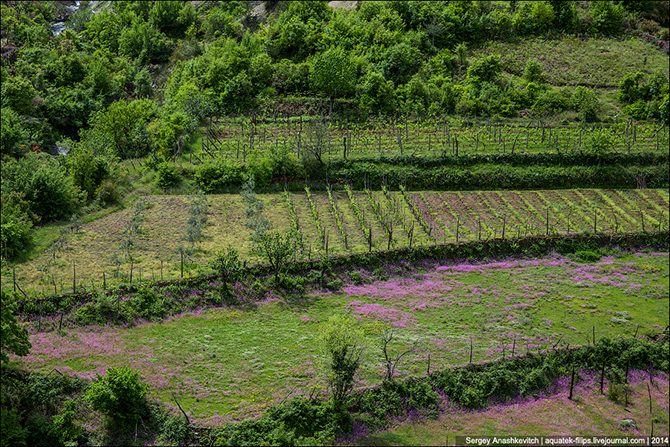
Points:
x=13, y=336
x=333, y=73
x=120, y=395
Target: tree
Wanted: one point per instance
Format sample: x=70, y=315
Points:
x=391, y=361
x=15, y=225
x=607, y=18
x=376, y=95
x=87, y=170
x=333, y=74
x=227, y=265
x=277, y=248
x=50, y=193
x=341, y=342
x=485, y=69
x=585, y=102
x=120, y=395
x=13, y=336
x=13, y=135
x=125, y=122
x=400, y=62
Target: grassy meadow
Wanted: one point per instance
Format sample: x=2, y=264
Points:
x=228, y=363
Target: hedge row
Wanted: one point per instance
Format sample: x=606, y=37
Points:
x=156, y=300
x=517, y=159
x=492, y=176
x=312, y=422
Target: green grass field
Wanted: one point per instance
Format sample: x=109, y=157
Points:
x=232, y=363
x=430, y=217
x=551, y=415
x=595, y=62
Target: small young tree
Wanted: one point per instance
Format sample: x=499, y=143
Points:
x=341, y=344
x=256, y=220
x=277, y=248
x=391, y=361
x=197, y=219
x=228, y=266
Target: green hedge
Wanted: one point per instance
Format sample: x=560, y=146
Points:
x=497, y=176
x=517, y=159
x=157, y=300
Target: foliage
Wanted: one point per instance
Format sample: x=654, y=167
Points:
x=341, y=345
x=533, y=72
x=607, y=17
x=299, y=421
x=49, y=192
x=227, y=265
x=14, y=336
x=276, y=248
x=88, y=170
x=333, y=73
x=585, y=102
x=219, y=176
x=166, y=175
x=120, y=395
x=16, y=224
x=125, y=123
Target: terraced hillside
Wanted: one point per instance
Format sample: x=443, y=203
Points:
x=153, y=235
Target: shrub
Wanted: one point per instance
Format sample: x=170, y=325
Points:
x=166, y=175
x=13, y=336
x=15, y=225
x=550, y=102
x=13, y=434
x=616, y=392
x=50, y=193
x=149, y=304
x=533, y=72
x=607, y=18
x=87, y=169
x=108, y=193
x=66, y=429
x=486, y=69
x=341, y=344
x=120, y=395
x=220, y=176
x=585, y=102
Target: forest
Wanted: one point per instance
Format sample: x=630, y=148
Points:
x=199, y=197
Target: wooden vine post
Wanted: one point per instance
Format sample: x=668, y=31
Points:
x=572, y=381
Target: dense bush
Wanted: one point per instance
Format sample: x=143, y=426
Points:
x=219, y=176
x=15, y=225
x=166, y=175
x=88, y=170
x=50, y=193
x=36, y=409
x=297, y=422
x=14, y=337
x=120, y=395
x=501, y=176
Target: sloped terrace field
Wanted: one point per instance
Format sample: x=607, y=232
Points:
x=228, y=364
x=345, y=218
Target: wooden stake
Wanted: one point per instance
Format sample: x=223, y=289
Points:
x=572, y=381
x=594, y=335
x=471, y=350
